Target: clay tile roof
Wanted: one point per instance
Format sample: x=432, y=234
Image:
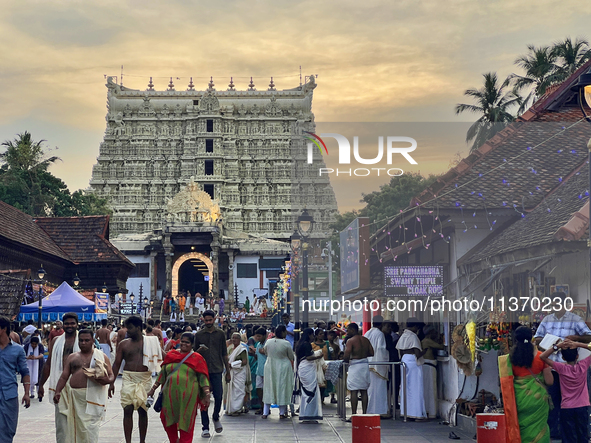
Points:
x=475, y=183
x=540, y=226
x=82, y=238
x=18, y=227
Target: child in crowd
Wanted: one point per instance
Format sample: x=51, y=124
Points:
x=574, y=415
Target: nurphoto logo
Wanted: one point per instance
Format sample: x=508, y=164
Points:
x=393, y=146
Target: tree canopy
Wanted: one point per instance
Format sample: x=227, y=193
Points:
x=499, y=103
x=26, y=183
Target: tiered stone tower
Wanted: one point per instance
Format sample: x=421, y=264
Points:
x=244, y=148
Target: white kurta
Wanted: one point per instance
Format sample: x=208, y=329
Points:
x=378, y=387
x=279, y=378
x=415, y=401
x=33, y=366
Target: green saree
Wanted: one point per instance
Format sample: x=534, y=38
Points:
x=530, y=397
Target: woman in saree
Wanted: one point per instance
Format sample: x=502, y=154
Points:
x=240, y=383
x=184, y=393
x=321, y=344
x=253, y=364
x=311, y=402
x=524, y=378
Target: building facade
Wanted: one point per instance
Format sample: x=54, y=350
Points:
x=199, y=180
x=244, y=148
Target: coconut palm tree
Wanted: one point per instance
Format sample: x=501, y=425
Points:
x=571, y=55
x=24, y=172
x=493, y=102
x=541, y=71
x=25, y=154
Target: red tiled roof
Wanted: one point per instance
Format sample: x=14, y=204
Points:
x=82, y=238
x=486, y=178
x=18, y=227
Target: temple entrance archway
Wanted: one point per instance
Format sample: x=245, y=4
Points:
x=195, y=257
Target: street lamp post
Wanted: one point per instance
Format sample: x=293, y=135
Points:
x=305, y=226
x=145, y=307
x=584, y=89
x=132, y=297
x=295, y=282
x=328, y=250
x=41, y=275
x=76, y=281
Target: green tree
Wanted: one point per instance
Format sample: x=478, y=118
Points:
x=393, y=197
x=541, y=71
x=493, y=103
x=571, y=56
x=26, y=183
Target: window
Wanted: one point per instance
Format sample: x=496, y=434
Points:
x=208, y=167
x=209, y=189
x=195, y=102
x=209, y=125
x=273, y=274
x=140, y=270
x=209, y=145
x=246, y=270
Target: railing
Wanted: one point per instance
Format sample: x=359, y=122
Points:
x=342, y=388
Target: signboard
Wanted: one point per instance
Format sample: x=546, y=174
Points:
x=354, y=240
x=126, y=308
x=101, y=303
x=422, y=281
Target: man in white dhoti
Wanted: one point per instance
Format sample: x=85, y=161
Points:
x=357, y=350
x=412, y=353
x=378, y=388
x=81, y=391
x=59, y=350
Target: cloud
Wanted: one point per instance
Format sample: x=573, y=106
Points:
x=375, y=60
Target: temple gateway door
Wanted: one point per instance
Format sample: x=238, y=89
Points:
x=195, y=260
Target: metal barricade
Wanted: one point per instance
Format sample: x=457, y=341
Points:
x=342, y=388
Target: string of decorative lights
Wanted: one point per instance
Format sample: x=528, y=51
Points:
x=437, y=198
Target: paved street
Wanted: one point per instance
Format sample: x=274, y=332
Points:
x=36, y=425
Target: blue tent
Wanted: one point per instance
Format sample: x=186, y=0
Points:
x=55, y=305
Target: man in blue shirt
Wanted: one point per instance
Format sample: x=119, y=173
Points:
x=290, y=327
x=261, y=337
x=12, y=360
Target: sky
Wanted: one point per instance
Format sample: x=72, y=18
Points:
x=376, y=61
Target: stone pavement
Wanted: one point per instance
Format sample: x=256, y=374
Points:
x=36, y=425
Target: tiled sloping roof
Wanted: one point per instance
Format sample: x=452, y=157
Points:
x=12, y=291
x=539, y=226
x=19, y=227
x=82, y=238
x=525, y=181
x=473, y=184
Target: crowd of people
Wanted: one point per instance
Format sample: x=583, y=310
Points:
x=176, y=307
x=250, y=368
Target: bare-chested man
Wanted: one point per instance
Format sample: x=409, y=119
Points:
x=137, y=379
x=156, y=331
x=103, y=335
x=85, y=395
x=60, y=349
x=357, y=350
